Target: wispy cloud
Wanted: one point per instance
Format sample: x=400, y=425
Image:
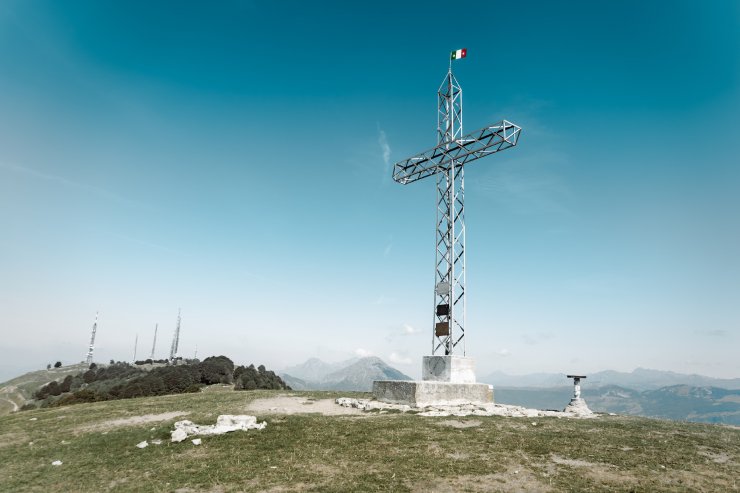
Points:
x=503, y=352
x=386, y=150
x=407, y=329
x=67, y=183
x=712, y=332
x=399, y=359
x=362, y=353
x=534, y=339
x=388, y=248
x=529, y=185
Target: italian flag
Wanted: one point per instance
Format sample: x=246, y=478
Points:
x=458, y=54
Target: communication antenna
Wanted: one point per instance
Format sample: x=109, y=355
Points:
x=154, y=344
x=89, y=358
x=446, y=161
x=175, y=338
x=136, y=345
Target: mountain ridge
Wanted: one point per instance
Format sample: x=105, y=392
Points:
x=355, y=374
x=638, y=379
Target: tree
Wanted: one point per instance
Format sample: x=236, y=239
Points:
x=58, y=364
x=48, y=366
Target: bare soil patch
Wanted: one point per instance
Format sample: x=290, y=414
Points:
x=458, y=423
x=601, y=473
x=515, y=479
x=8, y=439
x=285, y=404
x=131, y=421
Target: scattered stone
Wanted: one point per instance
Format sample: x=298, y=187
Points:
x=156, y=441
x=65, y=442
x=225, y=423
x=30, y=443
x=483, y=409
x=178, y=435
x=33, y=419
x=197, y=441
x=143, y=444
x=57, y=463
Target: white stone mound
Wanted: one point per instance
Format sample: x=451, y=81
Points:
x=487, y=409
x=578, y=406
x=224, y=424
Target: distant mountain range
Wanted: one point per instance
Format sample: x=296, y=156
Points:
x=677, y=402
x=639, y=379
x=354, y=374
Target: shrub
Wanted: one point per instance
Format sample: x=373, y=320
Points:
x=58, y=364
x=216, y=369
x=250, y=378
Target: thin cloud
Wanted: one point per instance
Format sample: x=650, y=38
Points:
x=529, y=185
x=712, y=332
x=407, y=329
x=388, y=248
x=362, y=353
x=386, y=150
x=398, y=359
x=66, y=183
x=503, y=352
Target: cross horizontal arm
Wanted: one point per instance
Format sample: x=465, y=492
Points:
x=487, y=140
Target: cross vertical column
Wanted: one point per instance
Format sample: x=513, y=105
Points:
x=449, y=286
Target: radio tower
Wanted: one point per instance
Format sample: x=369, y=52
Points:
x=446, y=161
x=89, y=358
x=175, y=338
x=154, y=344
x=136, y=346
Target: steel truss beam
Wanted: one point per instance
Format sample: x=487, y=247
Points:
x=447, y=160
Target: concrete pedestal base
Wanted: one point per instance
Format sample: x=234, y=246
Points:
x=431, y=393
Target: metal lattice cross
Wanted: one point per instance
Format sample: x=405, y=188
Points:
x=447, y=161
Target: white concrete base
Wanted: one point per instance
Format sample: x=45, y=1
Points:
x=431, y=393
x=454, y=369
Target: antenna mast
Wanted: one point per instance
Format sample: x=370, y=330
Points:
x=89, y=358
x=175, y=339
x=154, y=344
x=136, y=345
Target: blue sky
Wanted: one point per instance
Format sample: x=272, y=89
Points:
x=233, y=159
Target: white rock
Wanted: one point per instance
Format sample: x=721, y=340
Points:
x=143, y=444
x=57, y=463
x=224, y=424
x=197, y=441
x=33, y=419
x=178, y=435
x=156, y=441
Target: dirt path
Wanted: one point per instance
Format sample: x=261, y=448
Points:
x=299, y=405
x=131, y=421
x=15, y=406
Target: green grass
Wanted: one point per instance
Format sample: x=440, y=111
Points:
x=372, y=452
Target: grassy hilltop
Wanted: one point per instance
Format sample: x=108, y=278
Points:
x=357, y=452
x=18, y=391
